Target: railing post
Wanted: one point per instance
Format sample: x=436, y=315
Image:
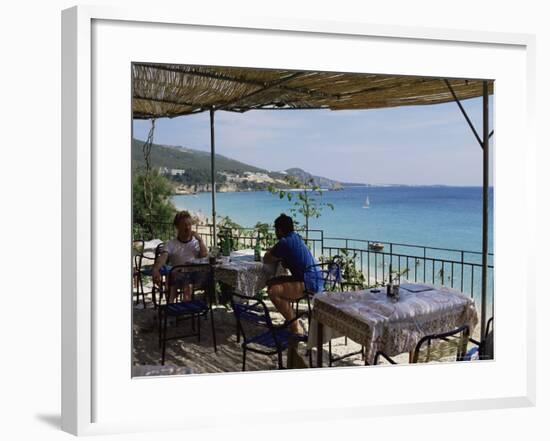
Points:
x=462, y=271
x=391, y=262
x=424, y=264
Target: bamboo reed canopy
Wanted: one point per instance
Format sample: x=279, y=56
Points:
x=167, y=90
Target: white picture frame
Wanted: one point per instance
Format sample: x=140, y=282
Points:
x=98, y=397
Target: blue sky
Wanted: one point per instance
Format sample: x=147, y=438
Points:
x=418, y=145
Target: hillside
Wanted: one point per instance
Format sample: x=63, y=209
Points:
x=174, y=157
x=189, y=170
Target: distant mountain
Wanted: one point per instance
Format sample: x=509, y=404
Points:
x=305, y=176
x=320, y=181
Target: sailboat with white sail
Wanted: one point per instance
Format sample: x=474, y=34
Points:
x=367, y=203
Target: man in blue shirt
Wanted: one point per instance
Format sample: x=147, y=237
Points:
x=294, y=255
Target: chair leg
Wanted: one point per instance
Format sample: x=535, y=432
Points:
x=244, y=358
x=213, y=329
x=135, y=292
x=139, y=283
x=329, y=353
x=159, y=319
x=143, y=297
x=198, y=328
x=280, y=359
x=164, y=340
x=154, y=296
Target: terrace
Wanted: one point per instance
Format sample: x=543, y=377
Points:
x=445, y=289
x=458, y=269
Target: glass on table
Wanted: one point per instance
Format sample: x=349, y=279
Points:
x=213, y=255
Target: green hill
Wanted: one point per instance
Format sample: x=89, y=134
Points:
x=231, y=175
x=183, y=158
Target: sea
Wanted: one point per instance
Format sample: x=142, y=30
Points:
x=434, y=216
x=434, y=219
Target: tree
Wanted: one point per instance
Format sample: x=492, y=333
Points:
x=307, y=201
x=151, y=204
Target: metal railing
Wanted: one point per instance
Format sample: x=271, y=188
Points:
x=453, y=268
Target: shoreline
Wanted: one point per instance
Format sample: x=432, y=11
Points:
x=250, y=190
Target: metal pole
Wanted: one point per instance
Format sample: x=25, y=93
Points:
x=464, y=111
x=485, y=243
x=213, y=176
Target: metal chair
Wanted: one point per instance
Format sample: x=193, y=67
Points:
x=458, y=337
x=147, y=271
x=483, y=349
x=137, y=260
x=327, y=274
x=270, y=339
x=200, y=277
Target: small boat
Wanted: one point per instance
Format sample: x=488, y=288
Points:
x=376, y=246
x=367, y=203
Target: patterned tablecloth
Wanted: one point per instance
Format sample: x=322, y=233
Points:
x=240, y=271
x=373, y=320
x=243, y=274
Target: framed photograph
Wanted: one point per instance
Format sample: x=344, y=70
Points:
x=253, y=208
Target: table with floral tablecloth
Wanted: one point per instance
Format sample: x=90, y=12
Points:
x=373, y=320
x=243, y=274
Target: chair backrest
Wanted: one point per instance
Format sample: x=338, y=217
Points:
x=486, y=350
x=137, y=249
x=250, y=310
x=450, y=343
x=329, y=274
x=158, y=250
x=200, y=275
x=146, y=257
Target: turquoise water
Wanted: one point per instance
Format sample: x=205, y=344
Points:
x=447, y=217
x=438, y=217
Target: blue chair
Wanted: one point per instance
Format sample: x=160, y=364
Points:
x=326, y=276
x=270, y=339
x=200, y=277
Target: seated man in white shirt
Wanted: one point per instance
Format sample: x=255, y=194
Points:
x=187, y=245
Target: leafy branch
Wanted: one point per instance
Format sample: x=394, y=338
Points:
x=306, y=202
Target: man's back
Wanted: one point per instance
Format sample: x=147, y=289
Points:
x=297, y=257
